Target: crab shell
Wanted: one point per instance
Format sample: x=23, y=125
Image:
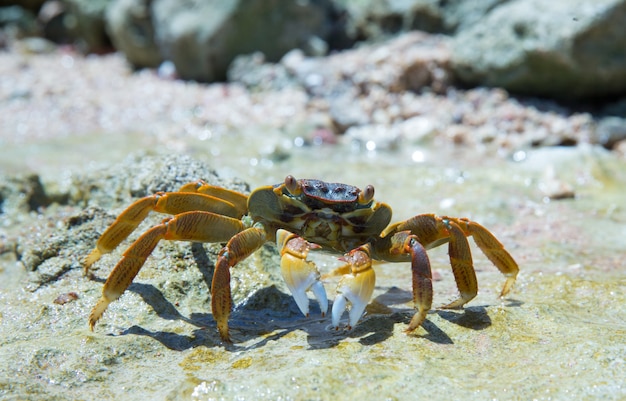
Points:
x=336, y=216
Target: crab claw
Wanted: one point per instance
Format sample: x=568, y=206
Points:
x=355, y=287
x=300, y=275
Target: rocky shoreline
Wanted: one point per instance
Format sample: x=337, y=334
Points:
x=81, y=137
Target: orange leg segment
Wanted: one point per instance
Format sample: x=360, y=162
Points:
x=432, y=231
x=190, y=226
x=164, y=202
x=240, y=201
x=495, y=252
x=406, y=243
x=238, y=248
x=462, y=266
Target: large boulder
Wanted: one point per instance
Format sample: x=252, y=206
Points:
x=129, y=24
x=202, y=37
x=567, y=49
x=371, y=19
x=30, y=5
x=85, y=19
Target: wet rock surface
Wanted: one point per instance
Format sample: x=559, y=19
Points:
x=558, y=333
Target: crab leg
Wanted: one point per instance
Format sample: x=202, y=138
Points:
x=240, y=201
x=164, y=202
x=433, y=231
x=427, y=231
x=300, y=274
x=238, y=248
x=355, y=287
x=462, y=266
x=406, y=243
x=190, y=226
x=494, y=250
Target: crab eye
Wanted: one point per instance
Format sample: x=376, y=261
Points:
x=367, y=194
x=292, y=185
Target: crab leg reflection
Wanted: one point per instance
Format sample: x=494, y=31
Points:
x=300, y=274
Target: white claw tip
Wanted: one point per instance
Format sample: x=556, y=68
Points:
x=355, y=290
x=300, y=282
x=301, y=276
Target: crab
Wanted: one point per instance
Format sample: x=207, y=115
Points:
x=301, y=216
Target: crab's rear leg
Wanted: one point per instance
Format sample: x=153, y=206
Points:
x=239, y=200
x=462, y=266
x=300, y=274
x=164, y=202
x=494, y=250
x=190, y=226
x=432, y=231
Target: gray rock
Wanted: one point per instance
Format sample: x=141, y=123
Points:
x=86, y=20
x=53, y=18
x=256, y=74
x=610, y=131
x=458, y=15
x=129, y=24
x=22, y=194
x=33, y=45
x=565, y=49
x=203, y=37
x=371, y=19
x=21, y=22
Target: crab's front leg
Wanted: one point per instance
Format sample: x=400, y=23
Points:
x=300, y=274
x=355, y=287
x=406, y=243
x=237, y=249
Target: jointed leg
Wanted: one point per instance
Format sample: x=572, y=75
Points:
x=190, y=226
x=405, y=243
x=164, y=202
x=462, y=266
x=240, y=201
x=494, y=250
x=433, y=231
x=238, y=248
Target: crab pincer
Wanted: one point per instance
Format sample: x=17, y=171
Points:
x=300, y=274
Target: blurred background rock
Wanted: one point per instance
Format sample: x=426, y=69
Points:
x=565, y=49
